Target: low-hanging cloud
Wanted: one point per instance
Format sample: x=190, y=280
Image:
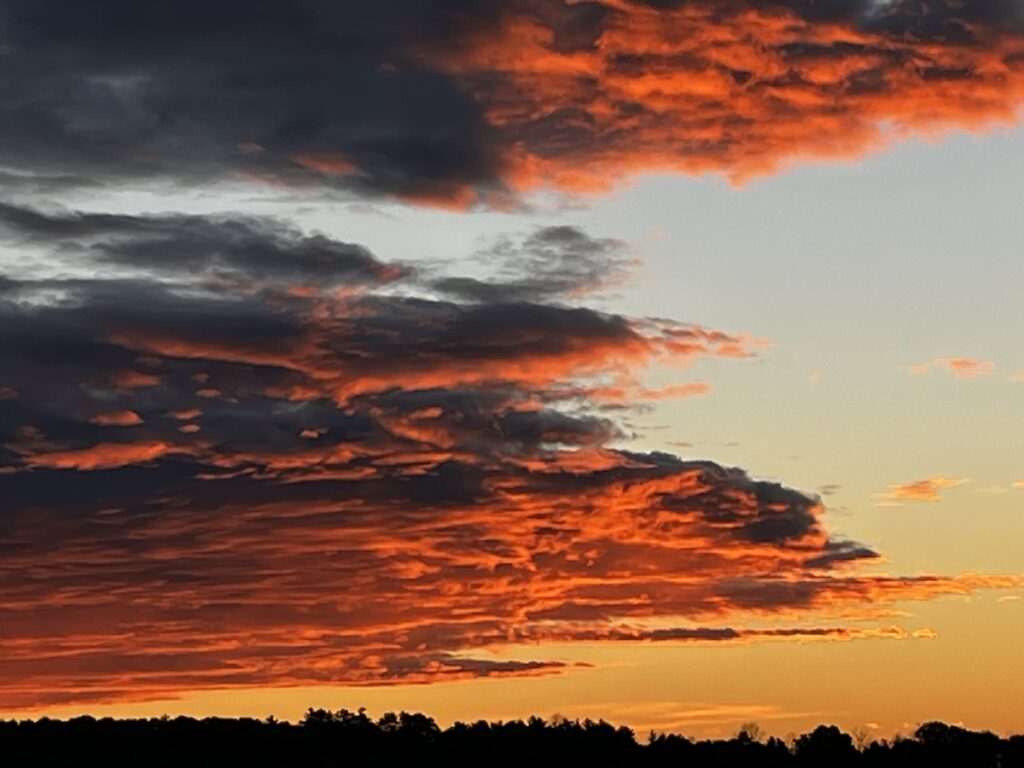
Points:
x=361, y=476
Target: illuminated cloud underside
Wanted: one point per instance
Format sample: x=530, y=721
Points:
x=584, y=94
x=222, y=468
x=927, y=490
x=251, y=456
x=463, y=102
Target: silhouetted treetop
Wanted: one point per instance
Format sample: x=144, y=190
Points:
x=346, y=738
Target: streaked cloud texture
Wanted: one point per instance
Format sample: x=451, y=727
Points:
x=960, y=367
x=928, y=490
x=323, y=365
x=240, y=454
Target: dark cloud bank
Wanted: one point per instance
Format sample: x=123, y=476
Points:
x=456, y=102
x=248, y=455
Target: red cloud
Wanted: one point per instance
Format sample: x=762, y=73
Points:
x=329, y=164
x=100, y=456
x=116, y=419
x=738, y=88
x=134, y=380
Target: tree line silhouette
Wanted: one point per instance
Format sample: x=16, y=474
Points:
x=346, y=738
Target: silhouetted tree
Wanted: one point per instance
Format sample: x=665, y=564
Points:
x=826, y=746
x=344, y=738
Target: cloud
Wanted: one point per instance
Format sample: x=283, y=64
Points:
x=836, y=552
x=249, y=251
x=456, y=103
x=373, y=482
x=315, y=93
x=127, y=380
x=928, y=490
x=1018, y=376
x=116, y=419
x=584, y=94
x=961, y=367
x=553, y=262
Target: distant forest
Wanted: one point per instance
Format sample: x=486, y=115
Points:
x=346, y=738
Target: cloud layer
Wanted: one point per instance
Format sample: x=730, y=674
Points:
x=587, y=93
x=459, y=102
x=236, y=454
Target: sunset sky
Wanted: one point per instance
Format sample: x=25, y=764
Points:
x=653, y=360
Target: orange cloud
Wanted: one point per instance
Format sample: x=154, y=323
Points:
x=621, y=394
x=116, y=419
x=100, y=456
x=961, y=367
x=134, y=380
x=443, y=196
x=391, y=560
x=386, y=488
x=929, y=490
x=186, y=414
x=744, y=89
x=331, y=164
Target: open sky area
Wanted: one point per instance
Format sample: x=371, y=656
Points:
x=660, y=361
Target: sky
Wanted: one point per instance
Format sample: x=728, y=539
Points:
x=653, y=360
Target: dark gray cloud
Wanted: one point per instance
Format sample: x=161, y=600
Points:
x=377, y=98
x=218, y=470
x=840, y=552
x=552, y=263
x=236, y=247
x=203, y=91
x=226, y=488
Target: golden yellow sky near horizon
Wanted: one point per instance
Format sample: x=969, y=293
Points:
x=880, y=686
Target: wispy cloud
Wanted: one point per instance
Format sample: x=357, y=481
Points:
x=961, y=367
x=928, y=490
